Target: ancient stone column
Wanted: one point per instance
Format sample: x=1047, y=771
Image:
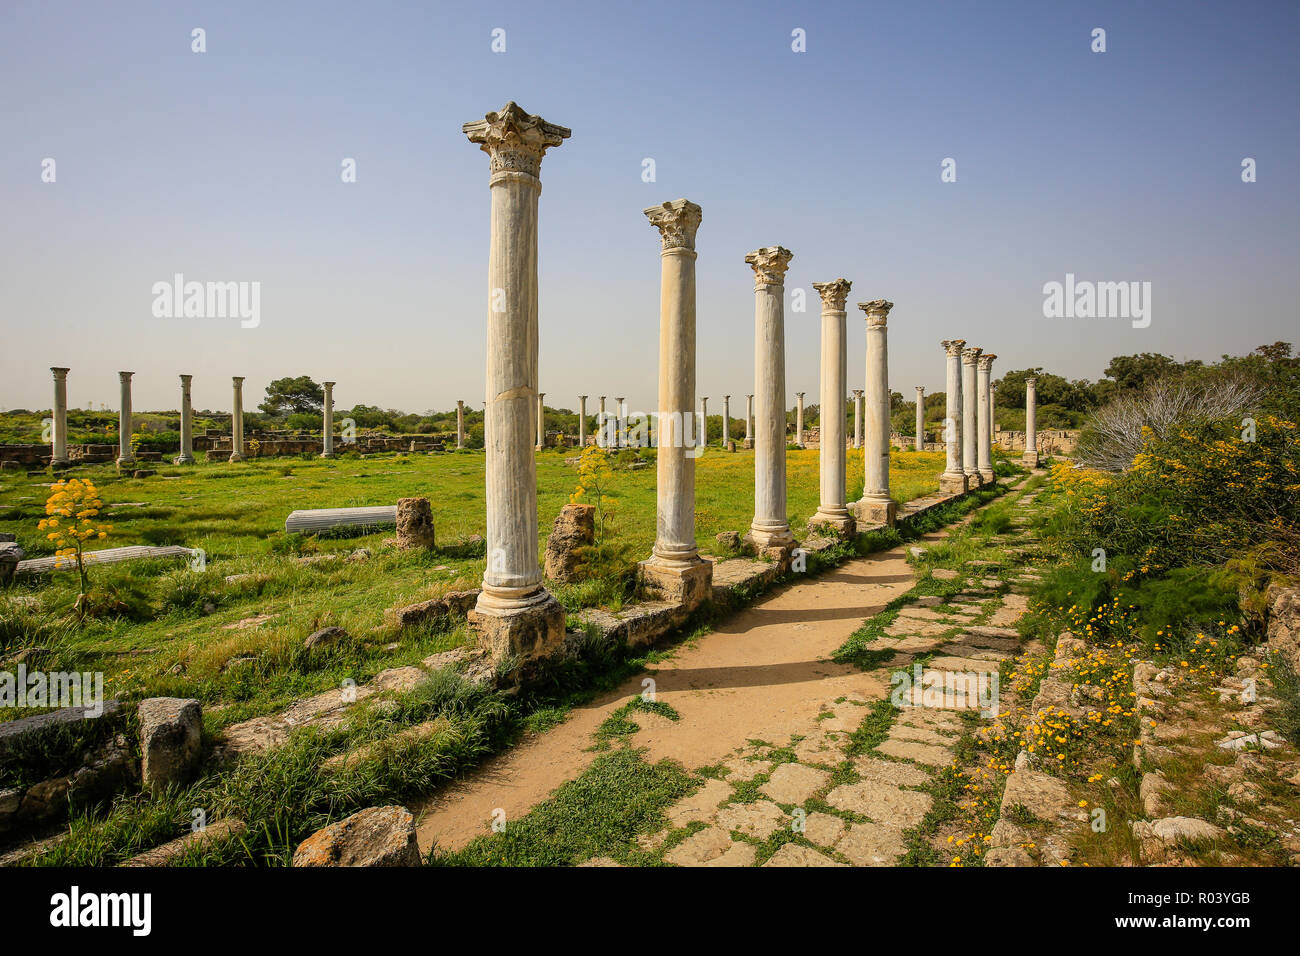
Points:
x=515, y=614
x=541, y=421
x=920, y=417
x=620, y=422
x=601, y=437
x=876, y=507
x=59, y=429
x=703, y=439
x=1030, y=457
x=327, y=423
x=460, y=423
x=124, y=454
x=857, y=418
x=798, y=418
x=749, y=421
x=953, y=479
x=970, y=416
x=186, y=456
x=675, y=571
x=582, y=422
x=770, y=528
x=832, y=510
x=237, y=420
x=726, y=420
x=984, y=426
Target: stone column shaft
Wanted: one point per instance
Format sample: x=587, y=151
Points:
x=953, y=479
x=832, y=509
x=770, y=528
x=920, y=418
x=876, y=506
x=984, y=412
x=798, y=419
x=237, y=420
x=460, y=424
x=59, y=425
x=702, y=440
x=515, y=614
x=857, y=418
x=186, y=455
x=1030, y=456
x=124, y=454
x=726, y=420
x=327, y=423
x=582, y=422
x=601, y=428
x=541, y=421
x=970, y=415
x=749, y=419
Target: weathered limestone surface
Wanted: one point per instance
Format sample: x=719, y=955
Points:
x=414, y=519
x=186, y=455
x=857, y=418
x=574, y=529
x=237, y=420
x=379, y=836
x=103, y=556
x=59, y=431
x=307, y=520
x=1030, y=456
x=920, y=418
x=125, y=456
x=582, y=422
x=327, y=427
x=170, y=737
x=984, y=411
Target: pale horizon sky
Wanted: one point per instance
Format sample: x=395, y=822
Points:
x=225, y=166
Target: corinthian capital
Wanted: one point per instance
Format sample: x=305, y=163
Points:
x=834, y=294
x=877, y=312
x=677, y=222
x=769, y=265
x=515, y=140
x=970, y=355
x=986, y=362
x=954, y=346
x=1031, y=382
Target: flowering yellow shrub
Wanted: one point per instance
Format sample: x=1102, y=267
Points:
x=69, y=521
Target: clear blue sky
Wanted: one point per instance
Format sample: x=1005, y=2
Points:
x=225, y=166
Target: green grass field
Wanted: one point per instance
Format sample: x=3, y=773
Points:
x=160, y=628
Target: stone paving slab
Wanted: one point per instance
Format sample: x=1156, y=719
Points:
x=871, y=844
x=794, y=854
x=927, y=754
x=794, y=783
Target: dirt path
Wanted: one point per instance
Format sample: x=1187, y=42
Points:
x=764, y=673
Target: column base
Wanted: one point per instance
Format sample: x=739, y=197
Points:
x=327, y=454
x=773, y=543
x=1029, y=459
x=973, y=480
x=747, y=444
x=952, y=483
x=125, y=464
x=986, y=477
x=877, y=511
x=841, y=523
x=534, y=630
x=183, y=460
x=689, y=586
x=236, y=456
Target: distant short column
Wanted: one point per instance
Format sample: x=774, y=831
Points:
x=798, y=419
x=186, y=456
x=124, y=454
x=1030, y=457
x=327, y=423
x=59, y=426
x=582, y=422
x=857, y=418
x=726, y=420
x=602, y=428
x=749, y=421
x=460, y=424
x=237, y=420
x=920, y=417
x=541, y=421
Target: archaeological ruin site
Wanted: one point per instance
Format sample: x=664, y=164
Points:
x=924, y=559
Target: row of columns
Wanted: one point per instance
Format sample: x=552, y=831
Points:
x=968, y=417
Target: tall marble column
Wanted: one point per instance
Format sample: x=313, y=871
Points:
x=582, y=422
x=515, y=614
x=726, y=420
x=876, y=506
x=832, y=509
x=798, y=419
x=124, y=454
x=1030, y=457
x=59, y=424
x=984, y=411
x=541, y=421
x=327, y=421
x=186, y=456
x=237, y=420
x=749, y=421
x=953, y=479
x=770, y=528
x=675, y=571
x=857, y=418
x=970, y=416
x=620, y=423
x=602, y=430
x=920, y=417
x=460, y=423
x=703, y=438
